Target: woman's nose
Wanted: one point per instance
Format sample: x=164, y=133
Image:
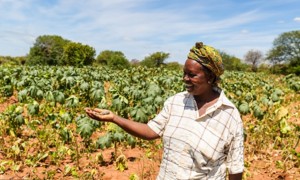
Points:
x=185, y=77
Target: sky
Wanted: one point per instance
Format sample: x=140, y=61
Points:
x=139, y=28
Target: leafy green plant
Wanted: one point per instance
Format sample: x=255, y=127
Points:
x=115, y=136
x=121, y=163
x=86, y=127
x=51, y=99
x=7, y=90
x=134, y=176
x=14, y=118
x=33, y=108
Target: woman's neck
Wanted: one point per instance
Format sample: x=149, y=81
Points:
x=208, y=97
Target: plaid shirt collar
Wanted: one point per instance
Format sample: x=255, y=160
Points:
x=222, y=100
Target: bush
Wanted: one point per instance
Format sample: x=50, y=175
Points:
x=294, y=70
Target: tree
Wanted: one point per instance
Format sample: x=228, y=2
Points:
x=174, y=66
x=47, y=50
x=232, y=63
x=115, y=59
x=254, y=57
x=134, y=62
x=286, y=48
x=155, y=60
x=78, y=54
x=19, y=60
x=294, y=67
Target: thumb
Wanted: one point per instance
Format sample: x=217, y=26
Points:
x=102, y=111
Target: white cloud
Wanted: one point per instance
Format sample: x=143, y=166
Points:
x=297, y=19
x=244, y=31
x=139, y=28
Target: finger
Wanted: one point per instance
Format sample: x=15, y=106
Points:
x=87, y=109
x=94, y=115
x=102, y=111
x=91, y=113
x=98, y=110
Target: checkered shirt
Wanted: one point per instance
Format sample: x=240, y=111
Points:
x=199, y=146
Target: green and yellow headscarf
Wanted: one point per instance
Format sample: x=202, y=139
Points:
x=208, y=57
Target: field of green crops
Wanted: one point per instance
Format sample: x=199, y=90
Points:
x=46, y=123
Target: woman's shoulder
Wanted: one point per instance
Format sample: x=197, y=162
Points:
x=182, y=95
x=178, y=98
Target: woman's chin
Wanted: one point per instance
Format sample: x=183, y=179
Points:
x=190, y=90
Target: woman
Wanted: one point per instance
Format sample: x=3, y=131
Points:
x=201, y=129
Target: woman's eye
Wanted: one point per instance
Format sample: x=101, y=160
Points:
x=189, y=75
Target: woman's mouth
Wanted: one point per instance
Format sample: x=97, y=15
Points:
x=188, y=87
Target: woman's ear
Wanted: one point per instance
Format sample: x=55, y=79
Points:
x=212, y=78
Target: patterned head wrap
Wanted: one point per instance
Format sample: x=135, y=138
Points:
x=208, y=57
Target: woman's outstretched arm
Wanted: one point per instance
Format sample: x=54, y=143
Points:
x=137, y=129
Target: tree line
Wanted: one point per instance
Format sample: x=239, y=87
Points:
x=284, y=56
x=54, y=50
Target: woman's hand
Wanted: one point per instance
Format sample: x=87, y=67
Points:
x=100, y=114
x=137, y=129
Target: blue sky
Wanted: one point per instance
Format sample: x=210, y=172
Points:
x=141, y=27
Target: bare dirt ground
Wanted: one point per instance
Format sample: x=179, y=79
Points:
x=145, y=166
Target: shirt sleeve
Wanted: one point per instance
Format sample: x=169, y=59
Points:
x=235, y=158
x=160, y=121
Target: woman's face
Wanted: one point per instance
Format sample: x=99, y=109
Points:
x=195, y=79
